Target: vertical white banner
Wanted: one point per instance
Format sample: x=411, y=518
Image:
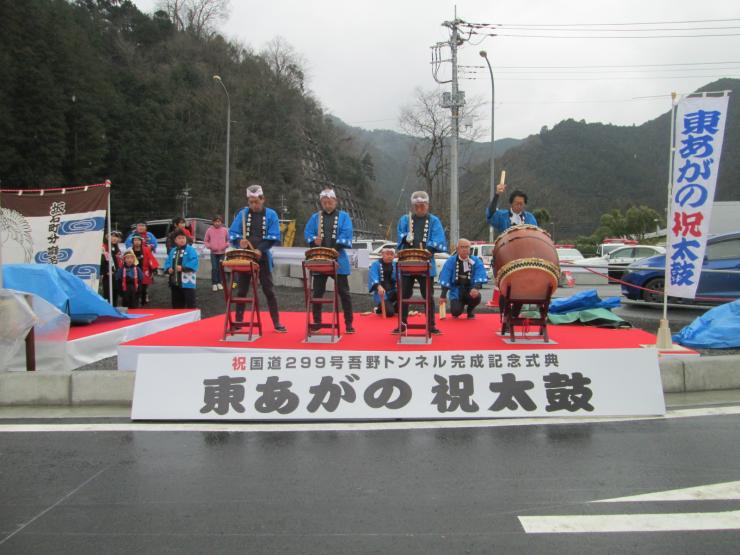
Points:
x=699, y=134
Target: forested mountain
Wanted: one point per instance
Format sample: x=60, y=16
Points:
x=579, y=171
x=95, y=89
x=393, y=156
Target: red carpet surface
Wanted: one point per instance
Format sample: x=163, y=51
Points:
x=102, y=325
x=373, y=332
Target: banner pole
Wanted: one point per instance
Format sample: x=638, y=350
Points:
x=111, y=261
x=1, y=244
x=665, y=340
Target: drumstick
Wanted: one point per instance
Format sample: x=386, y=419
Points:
x=503, y=178
x=442, y=310
x=382, y=305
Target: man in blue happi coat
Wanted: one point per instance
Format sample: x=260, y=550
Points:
x=420, y=230
x=331, y=228
x=503, y=219
x=463, y=277
x=257, y=227
x=382, y=283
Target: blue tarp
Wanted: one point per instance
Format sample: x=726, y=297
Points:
x=718, y=328
x=65, y=291
x=585, y=300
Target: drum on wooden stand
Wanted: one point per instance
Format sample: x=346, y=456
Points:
x=526, y=263
x=241, y=258
x=527, y=272
x=321, y=259
x=414, y=260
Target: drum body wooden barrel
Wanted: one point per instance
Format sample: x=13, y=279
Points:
x=526, y=260
x=321, y=259
x=241, y=257
x=414, y=260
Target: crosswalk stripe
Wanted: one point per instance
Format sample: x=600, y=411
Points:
x=579, y=524
x=710, y=492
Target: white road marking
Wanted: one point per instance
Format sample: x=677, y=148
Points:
x=710, y=492
x=352, y=426
x=579, y=524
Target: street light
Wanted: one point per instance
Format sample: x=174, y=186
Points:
x=228, y=144
x=484, y=55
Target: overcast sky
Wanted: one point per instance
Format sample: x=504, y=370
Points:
x=366, y=58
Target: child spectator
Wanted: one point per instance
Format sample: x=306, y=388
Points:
x=129, y=278
x=216, y=240
x=105, y=264
x=179, y=225
x=148, y=264
x=182, y=266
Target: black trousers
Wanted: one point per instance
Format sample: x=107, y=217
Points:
x=464, y=302
x=143, y=290
x=342, y=285
x=407, y=289
x=245, y=280
x=391, y=304
x=182, y=297
x=130, y=298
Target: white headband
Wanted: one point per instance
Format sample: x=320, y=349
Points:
x=327, y=193
x=419, y=199
x=254, y=191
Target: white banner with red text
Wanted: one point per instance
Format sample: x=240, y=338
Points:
x=339, y=385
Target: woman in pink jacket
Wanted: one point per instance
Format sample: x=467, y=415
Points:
x=216, y=240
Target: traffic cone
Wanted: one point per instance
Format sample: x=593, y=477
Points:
x=493, y=303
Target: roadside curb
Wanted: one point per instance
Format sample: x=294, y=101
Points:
x=116, y=388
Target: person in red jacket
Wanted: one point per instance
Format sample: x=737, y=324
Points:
x=217, y=241
x=148, y=265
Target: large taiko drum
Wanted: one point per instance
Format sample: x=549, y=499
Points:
x=526, y=261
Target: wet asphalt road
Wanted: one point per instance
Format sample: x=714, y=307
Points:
x=393, y=491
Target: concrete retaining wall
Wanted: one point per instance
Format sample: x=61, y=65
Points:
x=111, y=387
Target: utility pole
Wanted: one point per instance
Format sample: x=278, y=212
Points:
x=185, y=197
x=283, y=206
x=454, y=101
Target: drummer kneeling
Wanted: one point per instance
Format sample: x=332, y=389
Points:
x=382, y=283
x=463, y=276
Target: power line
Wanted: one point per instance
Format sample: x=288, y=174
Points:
x=609, y=37
x=598, y=30
x=479, y=25
x=626, y=78
x=619, y=65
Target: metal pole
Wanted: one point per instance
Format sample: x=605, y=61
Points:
x=228, y=146
x=228, y=149
x=484, y=55
x=665, y=340
x=111, y=259
x=454, y=222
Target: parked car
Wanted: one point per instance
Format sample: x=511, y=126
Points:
x=723, y=253
x=618, y=259
x=568, y=254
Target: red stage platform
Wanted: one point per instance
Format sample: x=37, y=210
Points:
x=374, y=334
x=99, y=340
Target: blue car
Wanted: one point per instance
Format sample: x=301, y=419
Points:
x=723, y=253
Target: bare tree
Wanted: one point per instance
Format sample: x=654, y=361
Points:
x=286, y=63
x=431, y=124
x=197, y=16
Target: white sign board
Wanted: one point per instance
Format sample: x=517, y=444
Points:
x=325, y=385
